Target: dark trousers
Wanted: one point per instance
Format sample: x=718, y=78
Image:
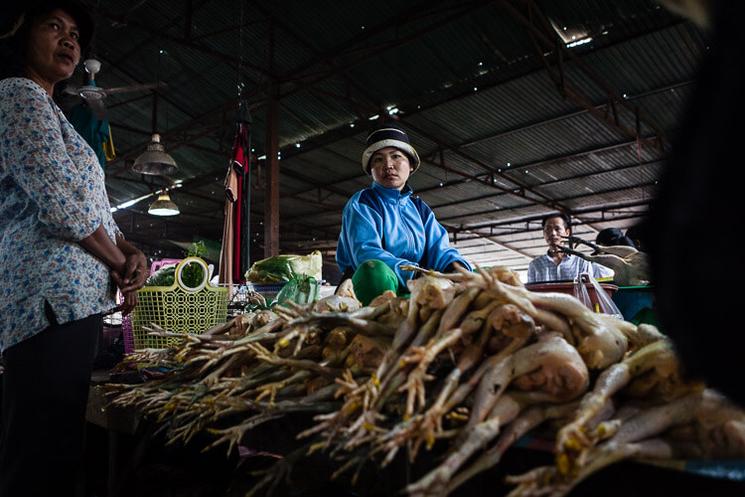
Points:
x=45, y=393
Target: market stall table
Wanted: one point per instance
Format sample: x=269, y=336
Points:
x=117, y=422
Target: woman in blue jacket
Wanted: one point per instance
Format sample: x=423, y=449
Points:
x=385, y=227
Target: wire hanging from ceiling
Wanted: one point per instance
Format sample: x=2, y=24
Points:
x=239, y=77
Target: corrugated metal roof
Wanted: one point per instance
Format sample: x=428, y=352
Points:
x=426, y=58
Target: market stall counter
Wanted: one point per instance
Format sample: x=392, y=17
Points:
x=367, y=387
x=123, y=447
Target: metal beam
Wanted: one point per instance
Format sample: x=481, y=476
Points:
x=502, y=244
x=545, y=39
x=574, y=212
x=353, y=56
x=172, y=21
x=549, y=183
x=137, y=80
x=527, y=220
x=522, y=187
x=215, y=54
x=480, y=235
x=509, y=132
x=259, y=88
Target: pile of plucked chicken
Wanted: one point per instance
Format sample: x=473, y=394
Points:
x=469, y=363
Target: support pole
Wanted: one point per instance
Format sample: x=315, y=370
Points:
x=271, y=197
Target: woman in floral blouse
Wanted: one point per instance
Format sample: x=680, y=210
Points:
x=61, y=255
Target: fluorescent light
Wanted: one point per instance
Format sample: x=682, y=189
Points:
x=130, y=203
x=372, y=118
x=579, y=42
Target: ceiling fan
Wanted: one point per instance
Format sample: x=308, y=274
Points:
x=94, y=95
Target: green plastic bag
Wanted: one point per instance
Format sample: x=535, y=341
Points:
x=300, y=289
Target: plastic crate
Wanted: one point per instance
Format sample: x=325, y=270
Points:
x=178, y=309
x=568, y=287
x=636, y=303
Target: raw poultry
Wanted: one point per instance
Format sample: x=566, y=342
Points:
x=470, y=362
x=630, y=266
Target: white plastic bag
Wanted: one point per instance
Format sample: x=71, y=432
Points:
x=602, y=303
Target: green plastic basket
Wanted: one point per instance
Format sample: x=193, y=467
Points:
x=178, y=308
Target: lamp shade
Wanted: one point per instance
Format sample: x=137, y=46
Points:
x=164, y=206
x=155, y=160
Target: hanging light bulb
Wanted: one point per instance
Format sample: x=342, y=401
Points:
x=154, y=160
x=163, y=206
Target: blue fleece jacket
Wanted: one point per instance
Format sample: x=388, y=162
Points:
x=396, y=228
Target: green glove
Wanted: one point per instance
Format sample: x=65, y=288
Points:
x=372, y=278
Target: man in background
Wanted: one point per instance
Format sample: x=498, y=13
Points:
x=556, y=265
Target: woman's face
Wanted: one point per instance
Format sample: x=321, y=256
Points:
x=53, y=48
x=390, y=167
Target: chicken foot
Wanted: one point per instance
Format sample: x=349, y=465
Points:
x=645, y=424
x=547, y=482
x=657, y=356
x=527, y=420
x=435, y=482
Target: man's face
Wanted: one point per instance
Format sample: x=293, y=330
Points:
x=554, y=232
x=390, y=167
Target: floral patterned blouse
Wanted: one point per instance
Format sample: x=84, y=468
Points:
x=52, y=195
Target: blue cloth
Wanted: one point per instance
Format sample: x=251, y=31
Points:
x=544, y=268
x=93, y=130
x=52, y=195
x=394, y=227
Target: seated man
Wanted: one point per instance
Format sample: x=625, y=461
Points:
x=611, y=237
x=556, y=265
x=384, y=227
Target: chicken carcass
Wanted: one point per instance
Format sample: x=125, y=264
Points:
x=631, y=267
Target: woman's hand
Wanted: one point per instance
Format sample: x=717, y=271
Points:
x=134, y=273
x=130, y=301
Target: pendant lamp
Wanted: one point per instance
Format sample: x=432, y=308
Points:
x=163, y=206
x=154, y=160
